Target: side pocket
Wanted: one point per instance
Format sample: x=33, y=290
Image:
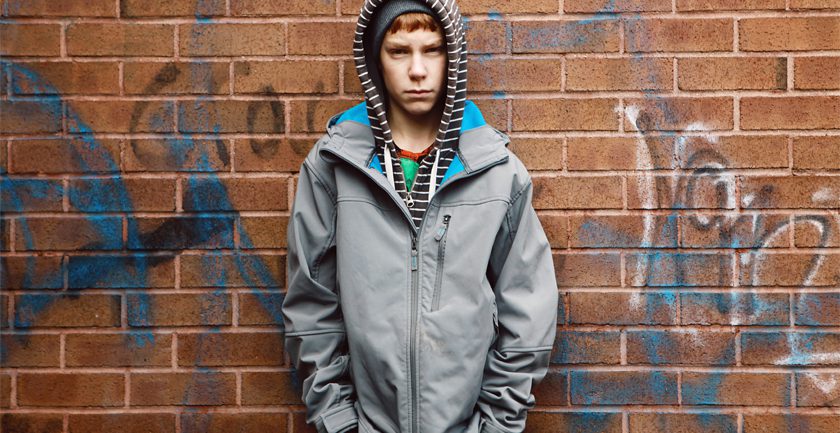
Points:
x=440, y=236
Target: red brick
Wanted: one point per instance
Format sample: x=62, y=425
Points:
x=587, y=270
x=237, y=194
x=791, y=423
x=718, y=5
x=30, y=39
x=587, y=347
x=29, y=350
x=573, y=422
x=282, y=7
x=679, y=269
x=230, y=349
x=272, y=388
x=817, y=389
x=681, y=348
x=30, y=117
x=202, y=309
x=681, y=192
x=789, y=33
x=599, y=192
x=555, y=227
x=263, y=232
x=790, y=348
x=4, y=312
x=168, y=8
x=803, y=112
x=539, y=153
x=271, y=155
x=32, y=422
x=321, y=38
x=352, y=85
x=182, y=232
x=736, y=389
x=814, y=4
x=260, y=308
x=733, y=231
x=183, y=389
x=678, y=113
x=177, y=78
x=122, y=423
x=816, y=73
x=782, y=269
x=815, y=231
x=289, y=76
x=619, y=74
x=232, y=39
x=624, y=387
x=552, y=390
x=768, y=309
x=731, y=73
x=118, y=350
x=251, y=422
x=66, y=78
x=623, y=231
x=607, y=6
x=716, y=152
x=567, y=114
x=70, y=389
x=817, y=309
x=311, y=115
x=74, y=233
x=682, y=422
x=299, y=424
x=225, y=116
x=636, y=308
x=619, y=153
x=122, y=194
x=111, y=39
x=175, y=154
x=5, y=395
x=233, y=271
x=514, y=75
x=506, y=7
x=678, y=35
x=121, y=116
x=120, y=272
x=494, y=112
x=776, y=192
x=52, y=8
x=72, y=155
x=31, y=272
x=487, y=36
x=65, y=310
x=555, y=36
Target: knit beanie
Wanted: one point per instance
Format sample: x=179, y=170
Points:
x=382, y=19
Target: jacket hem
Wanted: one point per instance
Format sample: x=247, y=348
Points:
x=488, y=427
x=338, y=419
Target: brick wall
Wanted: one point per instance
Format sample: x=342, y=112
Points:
x=685, y=156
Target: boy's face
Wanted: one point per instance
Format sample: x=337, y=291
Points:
x=413, y=66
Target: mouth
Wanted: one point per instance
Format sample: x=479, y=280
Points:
x=418, y=92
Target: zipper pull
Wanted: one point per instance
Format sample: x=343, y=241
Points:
x=413, y=253
x=442, y=229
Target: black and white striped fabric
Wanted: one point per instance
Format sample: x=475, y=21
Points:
x=446, y=142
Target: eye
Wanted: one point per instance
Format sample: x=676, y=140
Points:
x=436, y=49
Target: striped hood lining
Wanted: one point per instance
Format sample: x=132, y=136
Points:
x=446, y=142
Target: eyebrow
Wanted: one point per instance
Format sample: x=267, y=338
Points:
x=402, y=45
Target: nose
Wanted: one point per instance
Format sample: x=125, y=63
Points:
x=417, y=70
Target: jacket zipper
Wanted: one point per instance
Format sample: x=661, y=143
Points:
x=415, y=233
x=441, y=238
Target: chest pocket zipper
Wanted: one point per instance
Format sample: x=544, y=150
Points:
x=440, y=236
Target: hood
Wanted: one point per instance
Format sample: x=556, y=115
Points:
x=432, y=168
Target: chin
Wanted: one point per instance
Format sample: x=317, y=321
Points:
x=418, y=108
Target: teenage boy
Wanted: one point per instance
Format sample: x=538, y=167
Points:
x=422, y=295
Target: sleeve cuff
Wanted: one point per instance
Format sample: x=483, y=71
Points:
x=338, y=419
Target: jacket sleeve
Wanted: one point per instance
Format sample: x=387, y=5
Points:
x=314, y=328
x=521, y=272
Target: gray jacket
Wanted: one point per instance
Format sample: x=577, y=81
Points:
x=445, y=328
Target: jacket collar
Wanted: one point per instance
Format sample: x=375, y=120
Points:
x=479, y=145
